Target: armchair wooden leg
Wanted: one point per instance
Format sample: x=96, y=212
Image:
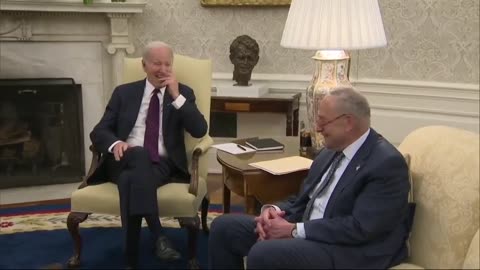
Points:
x=204, y=213
x=73, y=221
x=193, y=226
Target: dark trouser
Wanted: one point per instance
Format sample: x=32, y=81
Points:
x=232, y=237
x=137, y=179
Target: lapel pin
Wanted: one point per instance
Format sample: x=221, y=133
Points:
x=357, y=168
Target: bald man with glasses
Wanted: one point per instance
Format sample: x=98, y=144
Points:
x=350, y=213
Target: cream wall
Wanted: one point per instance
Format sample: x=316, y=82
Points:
x=428, y=74
x=429, y=40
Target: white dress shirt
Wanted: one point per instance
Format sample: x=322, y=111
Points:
x=136, y=136
x=321, y=201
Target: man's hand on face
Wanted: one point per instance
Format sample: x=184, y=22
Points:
x=171, y=82
x=264, y=221
x=119, y=149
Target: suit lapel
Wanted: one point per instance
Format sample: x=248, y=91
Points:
x=356, y=164
x=166, y=110
x=136, y=98
x=320, y=171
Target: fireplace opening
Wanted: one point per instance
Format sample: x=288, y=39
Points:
x=41, y=132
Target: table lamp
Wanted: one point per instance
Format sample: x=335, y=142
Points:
x=331, y=27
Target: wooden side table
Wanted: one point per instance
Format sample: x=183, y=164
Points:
x=256, y=184
x=287, y=104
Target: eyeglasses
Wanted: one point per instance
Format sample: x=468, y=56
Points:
x=324, y=124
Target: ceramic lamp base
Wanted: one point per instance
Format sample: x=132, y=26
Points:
x=331, y=70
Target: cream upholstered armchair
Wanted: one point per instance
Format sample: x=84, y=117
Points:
x=444, y=167
x=178, y=200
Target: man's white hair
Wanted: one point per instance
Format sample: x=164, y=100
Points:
x=155, y=45
x=351, y=101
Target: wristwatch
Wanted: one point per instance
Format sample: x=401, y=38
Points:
x=294, y=231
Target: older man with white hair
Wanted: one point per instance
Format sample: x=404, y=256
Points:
x=141, y=137
x=350, y=213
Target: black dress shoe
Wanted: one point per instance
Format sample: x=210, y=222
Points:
x=164, y=250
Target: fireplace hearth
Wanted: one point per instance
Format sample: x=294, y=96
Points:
x=41, y=132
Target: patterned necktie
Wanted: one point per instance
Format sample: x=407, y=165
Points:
x=328, y=179
x=152, y=127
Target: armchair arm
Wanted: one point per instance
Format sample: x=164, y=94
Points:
x=93, y=165
x=200, y=149
x=204, y=144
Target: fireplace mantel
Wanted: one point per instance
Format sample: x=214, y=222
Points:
x=65, y=38
x=51, y=20
x=98, y=6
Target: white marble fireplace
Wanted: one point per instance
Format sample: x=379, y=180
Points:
x=65, y=38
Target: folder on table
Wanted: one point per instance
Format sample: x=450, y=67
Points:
x=284, y=165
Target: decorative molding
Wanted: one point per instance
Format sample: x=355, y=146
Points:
x=208, y=3
x=116, y=42
x=425, y=111
x=295, y=83
x=437, y=98
x=119, y=33
x=113, y=48
x=75, y=6
x=19, y=29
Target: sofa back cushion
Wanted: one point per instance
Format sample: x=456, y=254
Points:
x=445, y=169
x=472, y=260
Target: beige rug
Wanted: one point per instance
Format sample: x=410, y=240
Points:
x=56, y=221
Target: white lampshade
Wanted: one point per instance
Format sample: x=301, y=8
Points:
x=334, y=25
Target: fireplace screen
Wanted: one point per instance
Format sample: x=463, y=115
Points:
x=41, y=133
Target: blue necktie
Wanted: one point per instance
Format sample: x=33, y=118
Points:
x=328, y=179
x=152, y=127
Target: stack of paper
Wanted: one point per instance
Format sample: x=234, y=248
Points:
x=233, y=148
x=284, y=165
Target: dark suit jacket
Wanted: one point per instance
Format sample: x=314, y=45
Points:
x=121, y=114
x=367, y=209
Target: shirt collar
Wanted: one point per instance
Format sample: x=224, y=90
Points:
x=352, y=149
x=149, y=88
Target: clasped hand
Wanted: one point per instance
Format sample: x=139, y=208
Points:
x=272, y=225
